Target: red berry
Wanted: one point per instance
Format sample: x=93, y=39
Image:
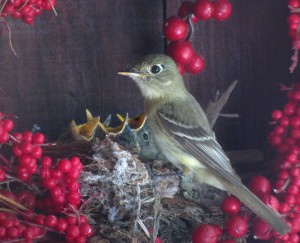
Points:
x=284, y=121
x=27, y=136
x=38, y=138
x=71, y=220
x=74, y=198
x=260, y=185
x=295, y=171
x=236, y=226
x=51, y=221
x=23, y=173
x=62, y=225
x=16, y=3
x=271, y=201
x=39, y=219
x=47, y=5
x=75, y=161
x=45, y=172
x=46, y=161
x=29, y=233
x=277, y=114
x=206, y=233
x=72, y=231
x=21, y=228
x=4, y=137
x=185, y=8
x=64, y=165
x=56, y=191
x=80, y=239
x=175, y=29
x=295, y=121
x=36, y=152
x=292, y=190
x=59, y=199
x=73, y=186
x=56, y=173
x=28, y=20
x=261, y=229
x=86, y=230
x=231, y=205
x=8, y=8
x=7, y=223
x=181, y=51
x=284, y=208
x=294, y=3
x=196, y=65
x=50, y=183
x=203, y=9
x=289, y=199
x=82, y=219
x=7, y=125
x=12, y=232
x=2, y=175
x=74, y=173
x=290, y=108
x=17, y=150
x=296, y=181
x=223, y=9
x=26, y=147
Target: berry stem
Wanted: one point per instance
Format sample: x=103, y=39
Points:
x=2, y=6
x=192, y=29
x=54, y=10
x=9, y=34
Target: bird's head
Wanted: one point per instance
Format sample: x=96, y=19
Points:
x=157, y=76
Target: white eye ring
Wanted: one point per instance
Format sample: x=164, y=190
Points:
x=157, y=68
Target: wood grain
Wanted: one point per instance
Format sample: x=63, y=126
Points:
x=68, y=63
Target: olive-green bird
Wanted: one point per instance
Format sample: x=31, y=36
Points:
x=183, y=134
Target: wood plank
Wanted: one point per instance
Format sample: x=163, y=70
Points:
x=70, y=62
x=253, y=47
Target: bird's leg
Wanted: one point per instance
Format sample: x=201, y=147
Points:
x=154, y=176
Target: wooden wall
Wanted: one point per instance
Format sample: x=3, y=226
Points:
x=70, y=62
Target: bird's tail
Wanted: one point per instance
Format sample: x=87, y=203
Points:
x=269, y=215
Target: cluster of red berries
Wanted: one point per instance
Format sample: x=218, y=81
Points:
x=27, y=148
x=239, y=218
x=285, y=138
x=61, y=181
x=61, y=197
x=30, y=227
x=294, y=28
x=176, y=30
x=27, y=10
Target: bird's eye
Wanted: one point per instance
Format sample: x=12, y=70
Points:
x=145, y=136
x=157, y=68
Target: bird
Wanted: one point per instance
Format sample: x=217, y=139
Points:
x=182, y=132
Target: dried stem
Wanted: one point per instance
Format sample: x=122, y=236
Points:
x=13, y=203
x=54, y=10
x=9, y=35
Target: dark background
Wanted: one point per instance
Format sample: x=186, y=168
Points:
x=70, y=62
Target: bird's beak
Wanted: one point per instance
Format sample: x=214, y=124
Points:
x=130, y=74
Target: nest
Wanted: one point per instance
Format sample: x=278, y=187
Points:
x=130, y=201
x=132, y=193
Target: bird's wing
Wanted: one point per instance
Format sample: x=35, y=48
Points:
x=196, y=140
